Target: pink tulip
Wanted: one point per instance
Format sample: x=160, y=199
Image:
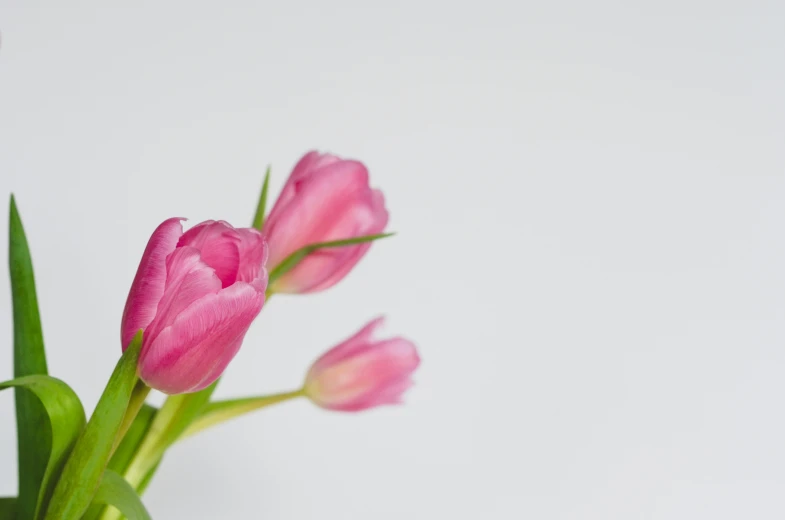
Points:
x=326, y=198
x=195, y=295
x=361, y=373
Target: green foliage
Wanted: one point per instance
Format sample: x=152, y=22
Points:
x=65, y=419
x=85, y=467
x=291, y=261
x=177, y=413
x=29, y=359
x=115, y=491
x=261, y=207
x=133, y=439
x=7, y=508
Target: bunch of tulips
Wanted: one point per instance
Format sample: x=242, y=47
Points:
x=194, y=297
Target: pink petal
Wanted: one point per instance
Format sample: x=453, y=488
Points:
x=387, y=361
x=319, y=201
x=350, y=346
x=220, y=366
x=328, y=266
x=219, y=244
x=188, y=279
x=309, y=165
x=192, y=352
x=319, y=215
x=373, y=375
x=253, y=255
x=148, y=285
x=372, y=226
x=389, y=394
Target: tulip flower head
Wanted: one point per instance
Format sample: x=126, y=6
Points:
x=362, y=373
x=195, y=295
x=326, y=198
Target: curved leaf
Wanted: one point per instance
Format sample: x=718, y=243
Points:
x=65, y=418
x=115, y=491
x=85, y=467
x=29, y=359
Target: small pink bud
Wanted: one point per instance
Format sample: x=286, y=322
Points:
x=361, y=373
x=326, y=198
x=195, y=295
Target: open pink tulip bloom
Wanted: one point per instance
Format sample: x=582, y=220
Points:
x=325, y=198
x=361, y=372
x=195, y=295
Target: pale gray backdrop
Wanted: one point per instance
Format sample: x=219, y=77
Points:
x=589, y=200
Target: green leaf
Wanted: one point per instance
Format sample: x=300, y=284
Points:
x=261, y=208
x=220, y=411
x=29, y=359
x=7, y=508
x=291, y=261
x=63, y=422
x=115, y=491
x=85, y=467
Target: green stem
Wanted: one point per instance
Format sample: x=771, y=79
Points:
x=138, y=395
x=150, y=450
x=219, y=411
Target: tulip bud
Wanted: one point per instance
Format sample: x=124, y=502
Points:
x=326, y=198
x=361, y=372
x=195, y=296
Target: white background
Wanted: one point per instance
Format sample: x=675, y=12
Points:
x=589, y=201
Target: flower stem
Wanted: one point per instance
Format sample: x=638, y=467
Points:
x=219, y=411
x=150, y=451
x=138, y=395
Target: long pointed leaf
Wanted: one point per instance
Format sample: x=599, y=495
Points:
x=291, y=261
x=116, y=492
x=7, y=508
x=64, y=421
x=261, y=208
x=85, y=467
x=29, y=359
